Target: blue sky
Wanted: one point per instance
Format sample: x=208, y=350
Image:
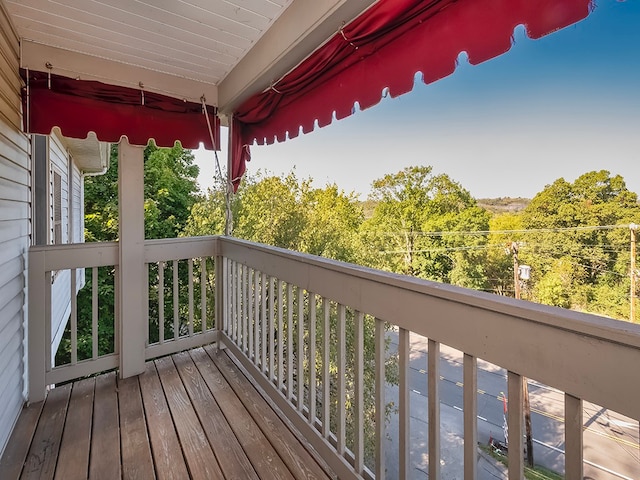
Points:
x=555, y=107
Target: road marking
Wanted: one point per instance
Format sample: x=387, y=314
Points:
x=547, y=414
x=550, y=415
x=457, y=408
x=613, y=437
x=416, y=391
x=600, y=467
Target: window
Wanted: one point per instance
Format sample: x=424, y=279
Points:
x=57, y=208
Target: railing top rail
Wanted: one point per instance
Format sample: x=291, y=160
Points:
x=587, y=324
x=167, y=249
x=588, y=356
x=76, y=255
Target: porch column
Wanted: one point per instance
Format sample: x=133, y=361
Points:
x=131, y=311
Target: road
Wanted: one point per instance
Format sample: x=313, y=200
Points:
x=611, y=450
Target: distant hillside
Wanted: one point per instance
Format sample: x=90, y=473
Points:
x=493, y=205
x=503, y=204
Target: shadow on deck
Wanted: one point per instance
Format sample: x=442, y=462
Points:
x=190, y=415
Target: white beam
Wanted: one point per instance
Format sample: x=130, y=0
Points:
x=298, y=32
x=79, y=65
x=132, y=267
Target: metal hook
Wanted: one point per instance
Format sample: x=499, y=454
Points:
x=49, y=67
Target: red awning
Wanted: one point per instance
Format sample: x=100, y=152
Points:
x=78, y=107
x=384, y=48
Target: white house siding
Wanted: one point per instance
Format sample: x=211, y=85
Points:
x=72, y=232
x=15, y=199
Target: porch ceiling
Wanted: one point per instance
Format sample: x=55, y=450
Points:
x=226, y=50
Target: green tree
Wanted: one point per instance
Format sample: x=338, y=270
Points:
x=420, y=226
x=289, y=213
x=499, y=259
x=573, y=262
x=333, y=219
x=171, y=190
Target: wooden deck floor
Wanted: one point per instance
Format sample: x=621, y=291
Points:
x=190, y=415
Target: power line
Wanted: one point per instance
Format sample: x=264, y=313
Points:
x=504, y=232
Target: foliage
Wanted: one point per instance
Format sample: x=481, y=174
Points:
x=412, y=202
x=171, y=190
x=572, y=263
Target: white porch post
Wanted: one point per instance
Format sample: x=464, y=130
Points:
x=132, y=272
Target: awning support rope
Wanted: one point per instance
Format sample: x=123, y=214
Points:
x=228, y=224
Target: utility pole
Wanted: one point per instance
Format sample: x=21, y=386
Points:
x=525, y=382
x=516, y=275
x=632, y=293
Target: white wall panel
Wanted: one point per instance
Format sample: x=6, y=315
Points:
x=15, y=200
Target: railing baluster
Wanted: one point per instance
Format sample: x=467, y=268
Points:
x=47, y=322
x=403, y=403
x=233, y=326
x=342, y=354
x=312, y=358
x=263, y=323
x=256, y=315
x=239, y=308
x=251, y=300
x=116, y=311
x=190, y=293
x=271, y=329
x=573, y=437
x=145, y=310
x=248, y=299
x=203, y=294
x=94, y=313
x=289, y=342
x=74, y=318
x=280, y=339
x=470, y=403
x=300, y=351
x=326, y=376
x=228, y=278
x=161, y=302
x=359, y=393
x=380, y=401
x=515, y=420
x=228, y=298
x=434, y=408
x=176, y=301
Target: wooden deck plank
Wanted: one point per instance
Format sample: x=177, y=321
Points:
x=136, y=452
x=192, y=415
x=104, y=463
x=200, y=458
x=165, y=447
x=43, y=454
x=18, y=447
x=231, y=457
x=261, y=453
x=73, y=461
x=297, y=458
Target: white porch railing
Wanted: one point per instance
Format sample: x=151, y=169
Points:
x=179, y=296
x=311, y=333
x=288, y=318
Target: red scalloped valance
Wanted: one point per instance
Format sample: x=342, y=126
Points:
x=78, y=107
x=384, y=48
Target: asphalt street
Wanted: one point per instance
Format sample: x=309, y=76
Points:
x=611, y=448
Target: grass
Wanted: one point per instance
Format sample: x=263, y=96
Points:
x=536, y=473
